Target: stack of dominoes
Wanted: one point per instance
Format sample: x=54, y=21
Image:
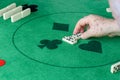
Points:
x=72, y=39
x=13, y=12
x=115, y=67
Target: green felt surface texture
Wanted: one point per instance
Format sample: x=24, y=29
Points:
x=34, y=51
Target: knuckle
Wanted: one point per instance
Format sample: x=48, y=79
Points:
x=91, y=15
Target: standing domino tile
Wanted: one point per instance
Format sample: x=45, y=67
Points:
x=20, y=15
x=10, y=7
x=12, y=12
x=26, y=12
x=16, y=17
x=115, y=67
x=72, y=39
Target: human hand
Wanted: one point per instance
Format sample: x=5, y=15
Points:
x=115, y=8
x=97, y=27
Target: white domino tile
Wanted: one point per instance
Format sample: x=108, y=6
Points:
x=108, y=10
x=76, y=36
x=26, y=12
x=72, y=39
x=6, y=9
x=115, y=67
x=16, y=17
x=20, y=15
x=12, y=12
x=69, y=40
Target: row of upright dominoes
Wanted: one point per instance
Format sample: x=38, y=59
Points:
x=14, y=12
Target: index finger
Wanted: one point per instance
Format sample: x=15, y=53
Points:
x=81, y=24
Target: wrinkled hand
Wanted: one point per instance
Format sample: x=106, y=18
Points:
x=97, y=26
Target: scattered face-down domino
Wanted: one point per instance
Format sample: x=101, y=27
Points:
x=20, y=15
x=115, y=67
x=7, y=8
x=72, y=39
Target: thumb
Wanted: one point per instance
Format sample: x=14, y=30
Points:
x=87, y=34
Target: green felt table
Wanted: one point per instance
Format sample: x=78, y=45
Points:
x=33, y=48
